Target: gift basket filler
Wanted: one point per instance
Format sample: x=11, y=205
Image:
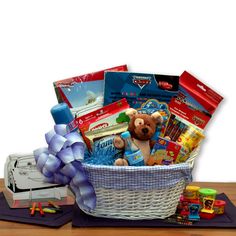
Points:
x=125, y=142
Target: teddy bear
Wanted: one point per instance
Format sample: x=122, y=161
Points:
x=142, y=128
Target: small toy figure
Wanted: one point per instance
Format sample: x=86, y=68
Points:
x=185, y=209
x=193, y=212
x=208, y=204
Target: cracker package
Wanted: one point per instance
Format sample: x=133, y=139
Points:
x=101, y=141
x=109, y=115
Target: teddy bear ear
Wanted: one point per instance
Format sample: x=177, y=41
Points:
x=131, y=112
x=157, y=117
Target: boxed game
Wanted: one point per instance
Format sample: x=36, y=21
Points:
x=24, y=183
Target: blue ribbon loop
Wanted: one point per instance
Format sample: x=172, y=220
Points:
x=60, y=163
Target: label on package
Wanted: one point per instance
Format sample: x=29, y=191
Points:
x=195, y=102
x=164, y=152
x=106, y=116
x=137, y=88
x=83, y=93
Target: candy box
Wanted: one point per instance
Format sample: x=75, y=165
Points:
x=164, y=152
x=137, y=88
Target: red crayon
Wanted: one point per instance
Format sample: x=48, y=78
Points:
x=40, y=209
x=169, y=125
x=174, y=129
x=181, y=129
x=33, y=209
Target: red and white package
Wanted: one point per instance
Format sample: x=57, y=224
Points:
x=109, y=115
x=83, y=93
x=196, y=102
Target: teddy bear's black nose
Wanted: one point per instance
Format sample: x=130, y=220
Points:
x=145, y=130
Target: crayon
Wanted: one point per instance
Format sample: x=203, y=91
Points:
x=181, y=129
x=32, y=212
x=169, y=125
x=174, y=129
x=53, y=204
x=176, y=133
x=55, y=207
x=46, y=210
x=40, y=209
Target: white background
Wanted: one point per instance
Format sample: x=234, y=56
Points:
x=44, y=41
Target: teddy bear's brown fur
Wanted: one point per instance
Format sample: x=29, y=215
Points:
x=142, y=127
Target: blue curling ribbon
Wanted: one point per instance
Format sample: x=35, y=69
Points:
x=60, y=163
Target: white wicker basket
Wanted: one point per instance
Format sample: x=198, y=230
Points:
x=136, y=193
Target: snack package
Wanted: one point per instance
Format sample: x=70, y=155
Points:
x=83, y=93
x=189, y=140
x=137, y=88
x=101, y=142
x=164, y=152
x=195, y=102
x=109, y=115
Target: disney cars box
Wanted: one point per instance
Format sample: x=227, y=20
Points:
x=23, y=183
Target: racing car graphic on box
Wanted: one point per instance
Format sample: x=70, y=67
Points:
x=22, y=175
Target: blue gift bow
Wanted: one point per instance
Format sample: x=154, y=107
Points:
x=60, y=163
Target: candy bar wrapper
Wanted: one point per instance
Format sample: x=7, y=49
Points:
x=83, y=93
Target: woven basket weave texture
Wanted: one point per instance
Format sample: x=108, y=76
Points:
x=136, y=193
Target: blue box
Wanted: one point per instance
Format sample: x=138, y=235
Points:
x=137, y=88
